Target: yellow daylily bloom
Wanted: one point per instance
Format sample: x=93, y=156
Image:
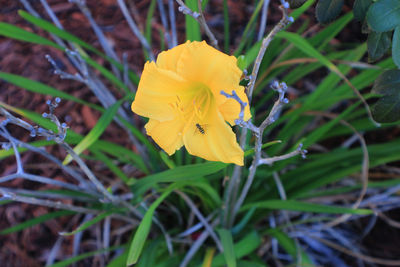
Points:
x=180, y=94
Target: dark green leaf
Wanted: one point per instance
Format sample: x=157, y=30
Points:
x=97, y=130
x=89, y=223
x=289, y=245
x=34, y=221
x=71, y=260
x=396, y=46
x=360, y=9
x=227, y=243
x=143, y=230
x=378, y=44
x=384, y=15
x=192, y=26
x=183, y=173
x=41, y=88
x=387, y=109
x=328, y=10
x=17, y=33
x=303, y=206
x=296, y=3
x=242, y=62
x=242, y=248
x=49, y=27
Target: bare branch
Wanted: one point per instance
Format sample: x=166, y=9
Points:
x=197, y=245
x=265, y=43
x=99, y=33
x=164, y=22
x=258, y=160
x=263, y=22
x=171, y=13
x=41, y=202
x=135, y=29
x=201, y=218
x=199, y=17
x=186, y=10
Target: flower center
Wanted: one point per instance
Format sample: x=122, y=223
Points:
x=201, y=101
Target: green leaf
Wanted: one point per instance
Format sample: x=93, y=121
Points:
x=153, y=247
x=303, y=206
x=71, y=261
x=328, y=10
x=165, y=158
x=110, y=164
x=149, y=19
x=384, y=15
x=360, y=9
x=245, y=35
x=17, y=33
x=378, y=44
x=227, y=244
x=307, y=48
x=37, y=87
x=242, y=62
x=49, y=27
x=241, y=249
x=35, y=221
x=119, y=260
x=192, y=26
x=387, y=108
x=143, y=230
x=123, y=154
x=89, y=223
x=396, y=46
x=298, y=12
x=268, y=144
x=296, y=3
x=181, y=173
x=289, y=245
x=97, y=130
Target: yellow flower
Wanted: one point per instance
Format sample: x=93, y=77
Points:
x=180, y=94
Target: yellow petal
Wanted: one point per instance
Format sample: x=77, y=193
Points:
x=231, y=108
x=212, y=139
x=167, y=134
x=158, y=92
x=168, y=60
x=202, y=63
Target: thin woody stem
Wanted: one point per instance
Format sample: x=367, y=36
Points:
x=199, y=17
x=43, y=202
x=234, y=183
x=203, y=23
x=230, y=206
x=265, y=43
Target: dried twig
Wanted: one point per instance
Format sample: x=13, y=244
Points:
x=233, y=186
x=199, y=17
x=42, y=202
x=265, y=43
x=263, y=22
x=135, y=29
x=201, y=218
x=99, y=33
x=171, y=13
x=197, y=245
x=258, y=133
x=164, y=22
x=364, y=168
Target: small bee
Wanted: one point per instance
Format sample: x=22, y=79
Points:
x=200, y=128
